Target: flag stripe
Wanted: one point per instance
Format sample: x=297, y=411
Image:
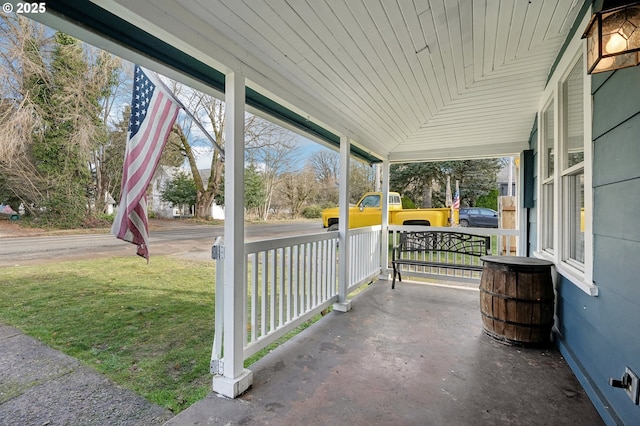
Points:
x=141, y=153
x=154, y=126
x=142, y=157
x=139, y=173
x=153, y=113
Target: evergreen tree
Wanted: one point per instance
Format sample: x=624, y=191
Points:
x=180, y=191
x=476, y=178
x=56, y=151
x=425, y=183
x=417, y=181
x=254, y=188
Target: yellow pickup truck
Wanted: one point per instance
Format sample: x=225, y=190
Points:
x=368, y=212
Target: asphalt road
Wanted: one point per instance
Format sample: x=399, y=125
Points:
x=172, y=238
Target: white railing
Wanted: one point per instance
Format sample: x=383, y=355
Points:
x=289, y=280
x=503, y=242
x=364, y=255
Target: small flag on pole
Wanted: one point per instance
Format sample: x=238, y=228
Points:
x=153, y=112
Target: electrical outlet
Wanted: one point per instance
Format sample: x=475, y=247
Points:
x=632, y=389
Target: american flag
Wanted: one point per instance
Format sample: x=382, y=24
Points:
x=153, y=112
x=456, y=200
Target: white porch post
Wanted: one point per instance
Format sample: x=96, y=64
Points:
x=384, y=251
x=234, y=379
x=343, y=305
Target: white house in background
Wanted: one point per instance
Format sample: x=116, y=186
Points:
x=505, y=178
x=162, y=176
x=109, y=203
x=217, y=212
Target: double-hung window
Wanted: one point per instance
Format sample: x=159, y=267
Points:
x=572, y=167
x=548, y=162
x=564, y=156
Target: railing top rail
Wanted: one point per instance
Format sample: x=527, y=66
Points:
x=365, y=230
x=465, y=230
x=276, y=243
x=438, y=241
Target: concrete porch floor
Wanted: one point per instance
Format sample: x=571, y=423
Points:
x=415, y=355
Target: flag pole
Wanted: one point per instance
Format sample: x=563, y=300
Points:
x=159, y=81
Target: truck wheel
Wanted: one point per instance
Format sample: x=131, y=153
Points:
x=464, y=223
x=333, y=227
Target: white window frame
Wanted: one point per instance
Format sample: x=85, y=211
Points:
x=548, y=179
x=580, y=275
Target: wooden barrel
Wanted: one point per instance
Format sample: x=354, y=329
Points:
x=517, y=299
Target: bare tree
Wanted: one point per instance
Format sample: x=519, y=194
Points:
x=361, y=180
x=326, y=165
x=107, y=154
x=21, y=40
x=263, y=139
x=275, y=155
x=298, y=188
x=23, y=53
x=55, y=95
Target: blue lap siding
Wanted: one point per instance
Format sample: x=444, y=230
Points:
x=599, y=335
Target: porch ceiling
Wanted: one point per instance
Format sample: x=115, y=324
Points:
x=405, y=79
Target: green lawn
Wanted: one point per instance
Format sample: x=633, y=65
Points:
x=147, y=327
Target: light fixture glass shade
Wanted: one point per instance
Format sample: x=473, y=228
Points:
x=613, y=39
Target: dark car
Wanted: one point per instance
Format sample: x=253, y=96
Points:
x=479, y=217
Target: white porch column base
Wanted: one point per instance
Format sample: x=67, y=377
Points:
x=342, y=306
x=232, y=388
x=385, y=275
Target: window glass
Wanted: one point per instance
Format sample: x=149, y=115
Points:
x=574, y=116
x=549, y=158
x=575, y=189
x=371, y=201
x=573, y=174
x=547, y=141
x=547, y=216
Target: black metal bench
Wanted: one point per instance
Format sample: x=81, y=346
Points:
x=440, y=249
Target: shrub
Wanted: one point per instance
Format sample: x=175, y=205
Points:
x=106, y=217
x=407, y=203
x=489, y=200
x=312, y=212
x=102, y=221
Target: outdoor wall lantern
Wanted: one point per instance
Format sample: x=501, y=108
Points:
x=613, y=36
